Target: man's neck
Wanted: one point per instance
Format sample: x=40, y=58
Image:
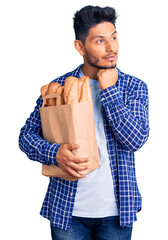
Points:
x=90, y=71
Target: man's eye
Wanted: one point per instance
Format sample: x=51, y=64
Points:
x=100, y=41
x=113, y=38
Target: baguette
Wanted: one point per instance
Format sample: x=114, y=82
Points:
x=71, y=94
x=44, y=90
x=52, y=89
x=89, y=92
x=74, y=90
x=60, y=91
x=84, y=89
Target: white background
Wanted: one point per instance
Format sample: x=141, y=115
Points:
x=36, y=46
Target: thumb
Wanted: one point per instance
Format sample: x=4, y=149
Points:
x=72, y=146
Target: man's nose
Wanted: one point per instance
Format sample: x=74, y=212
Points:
x=110, y=47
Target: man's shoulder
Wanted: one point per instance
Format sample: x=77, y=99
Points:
x=62, y=78
x=130, y=81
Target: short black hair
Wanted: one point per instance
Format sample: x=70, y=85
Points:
x=90, y=16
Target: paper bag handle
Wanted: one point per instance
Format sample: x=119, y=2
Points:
x=49, y=96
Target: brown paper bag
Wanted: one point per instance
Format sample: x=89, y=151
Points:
x=71, y=123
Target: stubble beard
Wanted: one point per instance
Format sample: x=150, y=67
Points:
x=93, y=61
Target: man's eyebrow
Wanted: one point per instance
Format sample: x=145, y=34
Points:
x=99, y=36
x=114, y=32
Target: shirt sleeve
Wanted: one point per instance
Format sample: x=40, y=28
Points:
x=129, y=122
x=32, y=143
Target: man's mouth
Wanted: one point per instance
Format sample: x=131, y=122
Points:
x=110, y=58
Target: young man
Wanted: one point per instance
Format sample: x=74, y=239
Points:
x=102, y=204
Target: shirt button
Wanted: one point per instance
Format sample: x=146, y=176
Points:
x=71, y=194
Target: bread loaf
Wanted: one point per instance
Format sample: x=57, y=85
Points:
x=60, y=91
x=71, y=92
x=74, y=90
x=52, y=89
x=44, y=90
x=82, y=89
x=89, y=92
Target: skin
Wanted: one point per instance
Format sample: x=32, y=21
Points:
x=68, y=162
x=100, y=53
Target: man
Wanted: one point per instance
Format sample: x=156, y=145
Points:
x=102, y=204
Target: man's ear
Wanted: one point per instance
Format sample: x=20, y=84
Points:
x=79, y=47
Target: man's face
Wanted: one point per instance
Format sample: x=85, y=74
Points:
x=101, y=46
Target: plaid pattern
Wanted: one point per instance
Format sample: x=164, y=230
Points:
x=125, y=114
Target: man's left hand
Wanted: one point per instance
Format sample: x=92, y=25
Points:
x=107, y=77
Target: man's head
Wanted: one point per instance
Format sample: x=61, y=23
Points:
x=89, y=17
x=96, y=36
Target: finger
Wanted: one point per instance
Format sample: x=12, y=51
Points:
x=74, y=173
x=78, y=167
x=72, y=146
x=67, y=172
x=78, y=159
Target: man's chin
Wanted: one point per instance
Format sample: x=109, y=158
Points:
x=107, y=67
x=104, y=67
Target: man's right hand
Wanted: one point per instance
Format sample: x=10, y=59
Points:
x=69, y=163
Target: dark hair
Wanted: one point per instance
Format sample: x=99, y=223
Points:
x=90, y=16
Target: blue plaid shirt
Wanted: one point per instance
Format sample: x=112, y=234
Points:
x=125, y=114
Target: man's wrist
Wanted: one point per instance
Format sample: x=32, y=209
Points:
x=51, y=152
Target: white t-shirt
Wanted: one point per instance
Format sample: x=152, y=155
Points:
x=95, y=193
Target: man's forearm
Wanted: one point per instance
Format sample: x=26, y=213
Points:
x=129, y=127
x=37, y=149
x=32, y=143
